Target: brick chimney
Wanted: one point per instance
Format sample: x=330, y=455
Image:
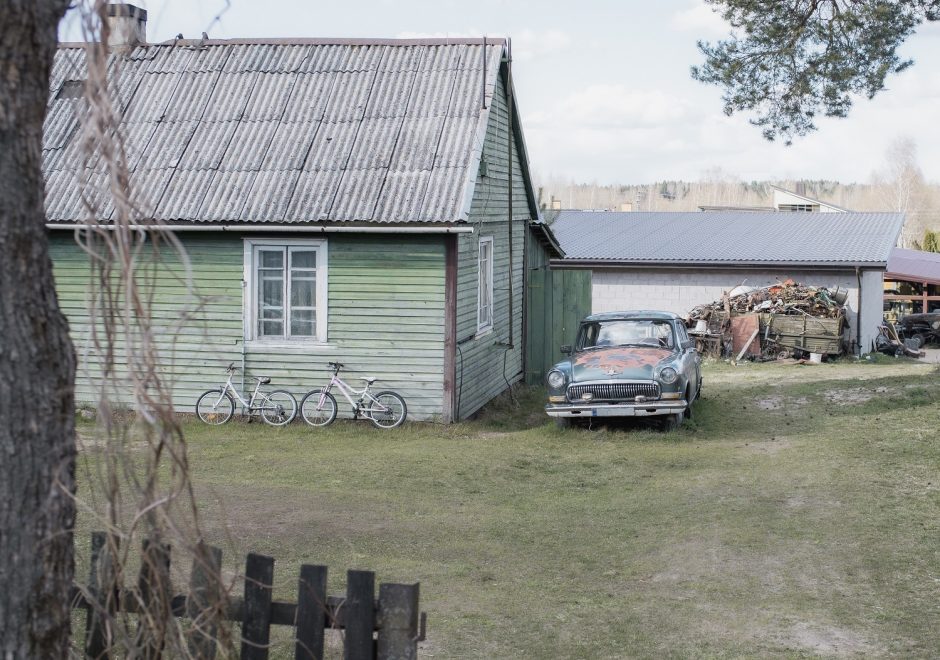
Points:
x=128, y=26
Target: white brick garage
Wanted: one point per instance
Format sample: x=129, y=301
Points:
x=674, y=261
x=679, y=290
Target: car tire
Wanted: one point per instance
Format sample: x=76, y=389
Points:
x=673, y=422
x=563, y=422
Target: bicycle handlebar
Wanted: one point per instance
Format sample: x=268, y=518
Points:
x=336, y=365
x=231, y=368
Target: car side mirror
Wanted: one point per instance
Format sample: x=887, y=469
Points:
x=687, y=344
x=566, y=349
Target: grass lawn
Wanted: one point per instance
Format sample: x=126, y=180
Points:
x=797, y=514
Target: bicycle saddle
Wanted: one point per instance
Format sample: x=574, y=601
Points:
x=264, y=380
x=368, y=379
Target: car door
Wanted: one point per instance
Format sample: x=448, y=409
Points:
x=691, y=362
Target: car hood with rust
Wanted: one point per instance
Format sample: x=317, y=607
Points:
x=626, y=362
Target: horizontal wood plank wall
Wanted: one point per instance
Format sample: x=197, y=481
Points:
x=193, y=352
x=386, y=319
x=482, y=372
x=386, y=306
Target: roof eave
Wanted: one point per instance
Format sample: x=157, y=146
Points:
x=547, y=238
x=620, y=264
x=270, y=227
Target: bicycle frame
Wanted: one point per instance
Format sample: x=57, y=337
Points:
x=348, y=393
x=229, y=387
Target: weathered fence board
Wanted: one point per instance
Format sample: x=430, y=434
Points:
x=206, y=598
x=256, y=623
x=360, y=595
x=312, y=613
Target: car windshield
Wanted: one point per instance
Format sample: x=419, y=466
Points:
x=597, y=334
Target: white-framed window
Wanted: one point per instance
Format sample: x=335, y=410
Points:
x=485, y=287
x=285, y=292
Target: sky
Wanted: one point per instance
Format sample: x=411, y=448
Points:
x=603, y=86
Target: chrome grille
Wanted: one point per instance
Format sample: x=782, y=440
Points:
x=614, y=391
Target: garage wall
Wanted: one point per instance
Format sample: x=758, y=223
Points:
x=679, y=290
x=872, y=306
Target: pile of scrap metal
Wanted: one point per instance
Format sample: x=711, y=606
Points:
x=773, y=322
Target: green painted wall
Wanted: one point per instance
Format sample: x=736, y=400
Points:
x=556, y=302
x=386, y=318
x=485, y=365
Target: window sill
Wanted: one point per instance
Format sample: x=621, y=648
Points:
x=290, y=345
x=483, y=333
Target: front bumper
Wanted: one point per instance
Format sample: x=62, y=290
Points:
x=647, y=409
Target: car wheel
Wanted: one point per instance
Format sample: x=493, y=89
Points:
x=673, y=422
x=563, y=422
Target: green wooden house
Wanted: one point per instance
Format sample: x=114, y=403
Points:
x=361, y=201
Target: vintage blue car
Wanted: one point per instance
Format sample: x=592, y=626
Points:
x=626, y=364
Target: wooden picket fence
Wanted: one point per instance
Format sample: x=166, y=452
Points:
x=394, y=616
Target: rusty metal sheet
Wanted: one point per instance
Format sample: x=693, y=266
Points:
x=742, y=329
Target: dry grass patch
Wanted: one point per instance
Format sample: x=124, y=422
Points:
x=806, y=528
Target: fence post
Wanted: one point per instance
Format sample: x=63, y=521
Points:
x=360, y=615
x=155, y=592
x=256, y=624
x=398, y=622
x=311, y=612
x=204, y=604
x=101, y=603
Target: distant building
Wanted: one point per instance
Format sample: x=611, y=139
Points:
x=675, y=261
x=786, y=201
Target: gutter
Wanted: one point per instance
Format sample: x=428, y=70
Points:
x=712, y=265
x=300, y=229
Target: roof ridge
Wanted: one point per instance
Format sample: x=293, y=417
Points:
x=317, y=41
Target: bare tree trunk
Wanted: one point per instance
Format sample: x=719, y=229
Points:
x=37, y=363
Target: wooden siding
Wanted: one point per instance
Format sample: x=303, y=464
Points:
x=556, y=301
x=485, y=365
x=386, y=319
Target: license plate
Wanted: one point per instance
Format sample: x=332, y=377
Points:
x=612, y=412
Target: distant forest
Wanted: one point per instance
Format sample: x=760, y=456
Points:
x=911, y=195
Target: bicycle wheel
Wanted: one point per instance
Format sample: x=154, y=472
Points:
x=215, y=407
x=316, y=413
x=387, y=410
x=278, y=407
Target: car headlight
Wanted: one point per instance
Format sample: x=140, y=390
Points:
x=556, y=379
x=668, y=375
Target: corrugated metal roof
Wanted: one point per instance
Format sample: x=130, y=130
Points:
x=914, y=265
x=728, y=237
x=305, y=131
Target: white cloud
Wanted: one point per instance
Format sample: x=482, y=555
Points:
x=605, y=107
x=701, y=19
x=530, y=44
x=460, y=34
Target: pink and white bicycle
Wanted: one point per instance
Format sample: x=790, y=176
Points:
x=384, y=409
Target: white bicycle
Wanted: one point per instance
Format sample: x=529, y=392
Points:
x=384, y=409
x=217, y=406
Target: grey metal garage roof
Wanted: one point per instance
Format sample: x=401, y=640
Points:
x=282, y=131
x=730, y=238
